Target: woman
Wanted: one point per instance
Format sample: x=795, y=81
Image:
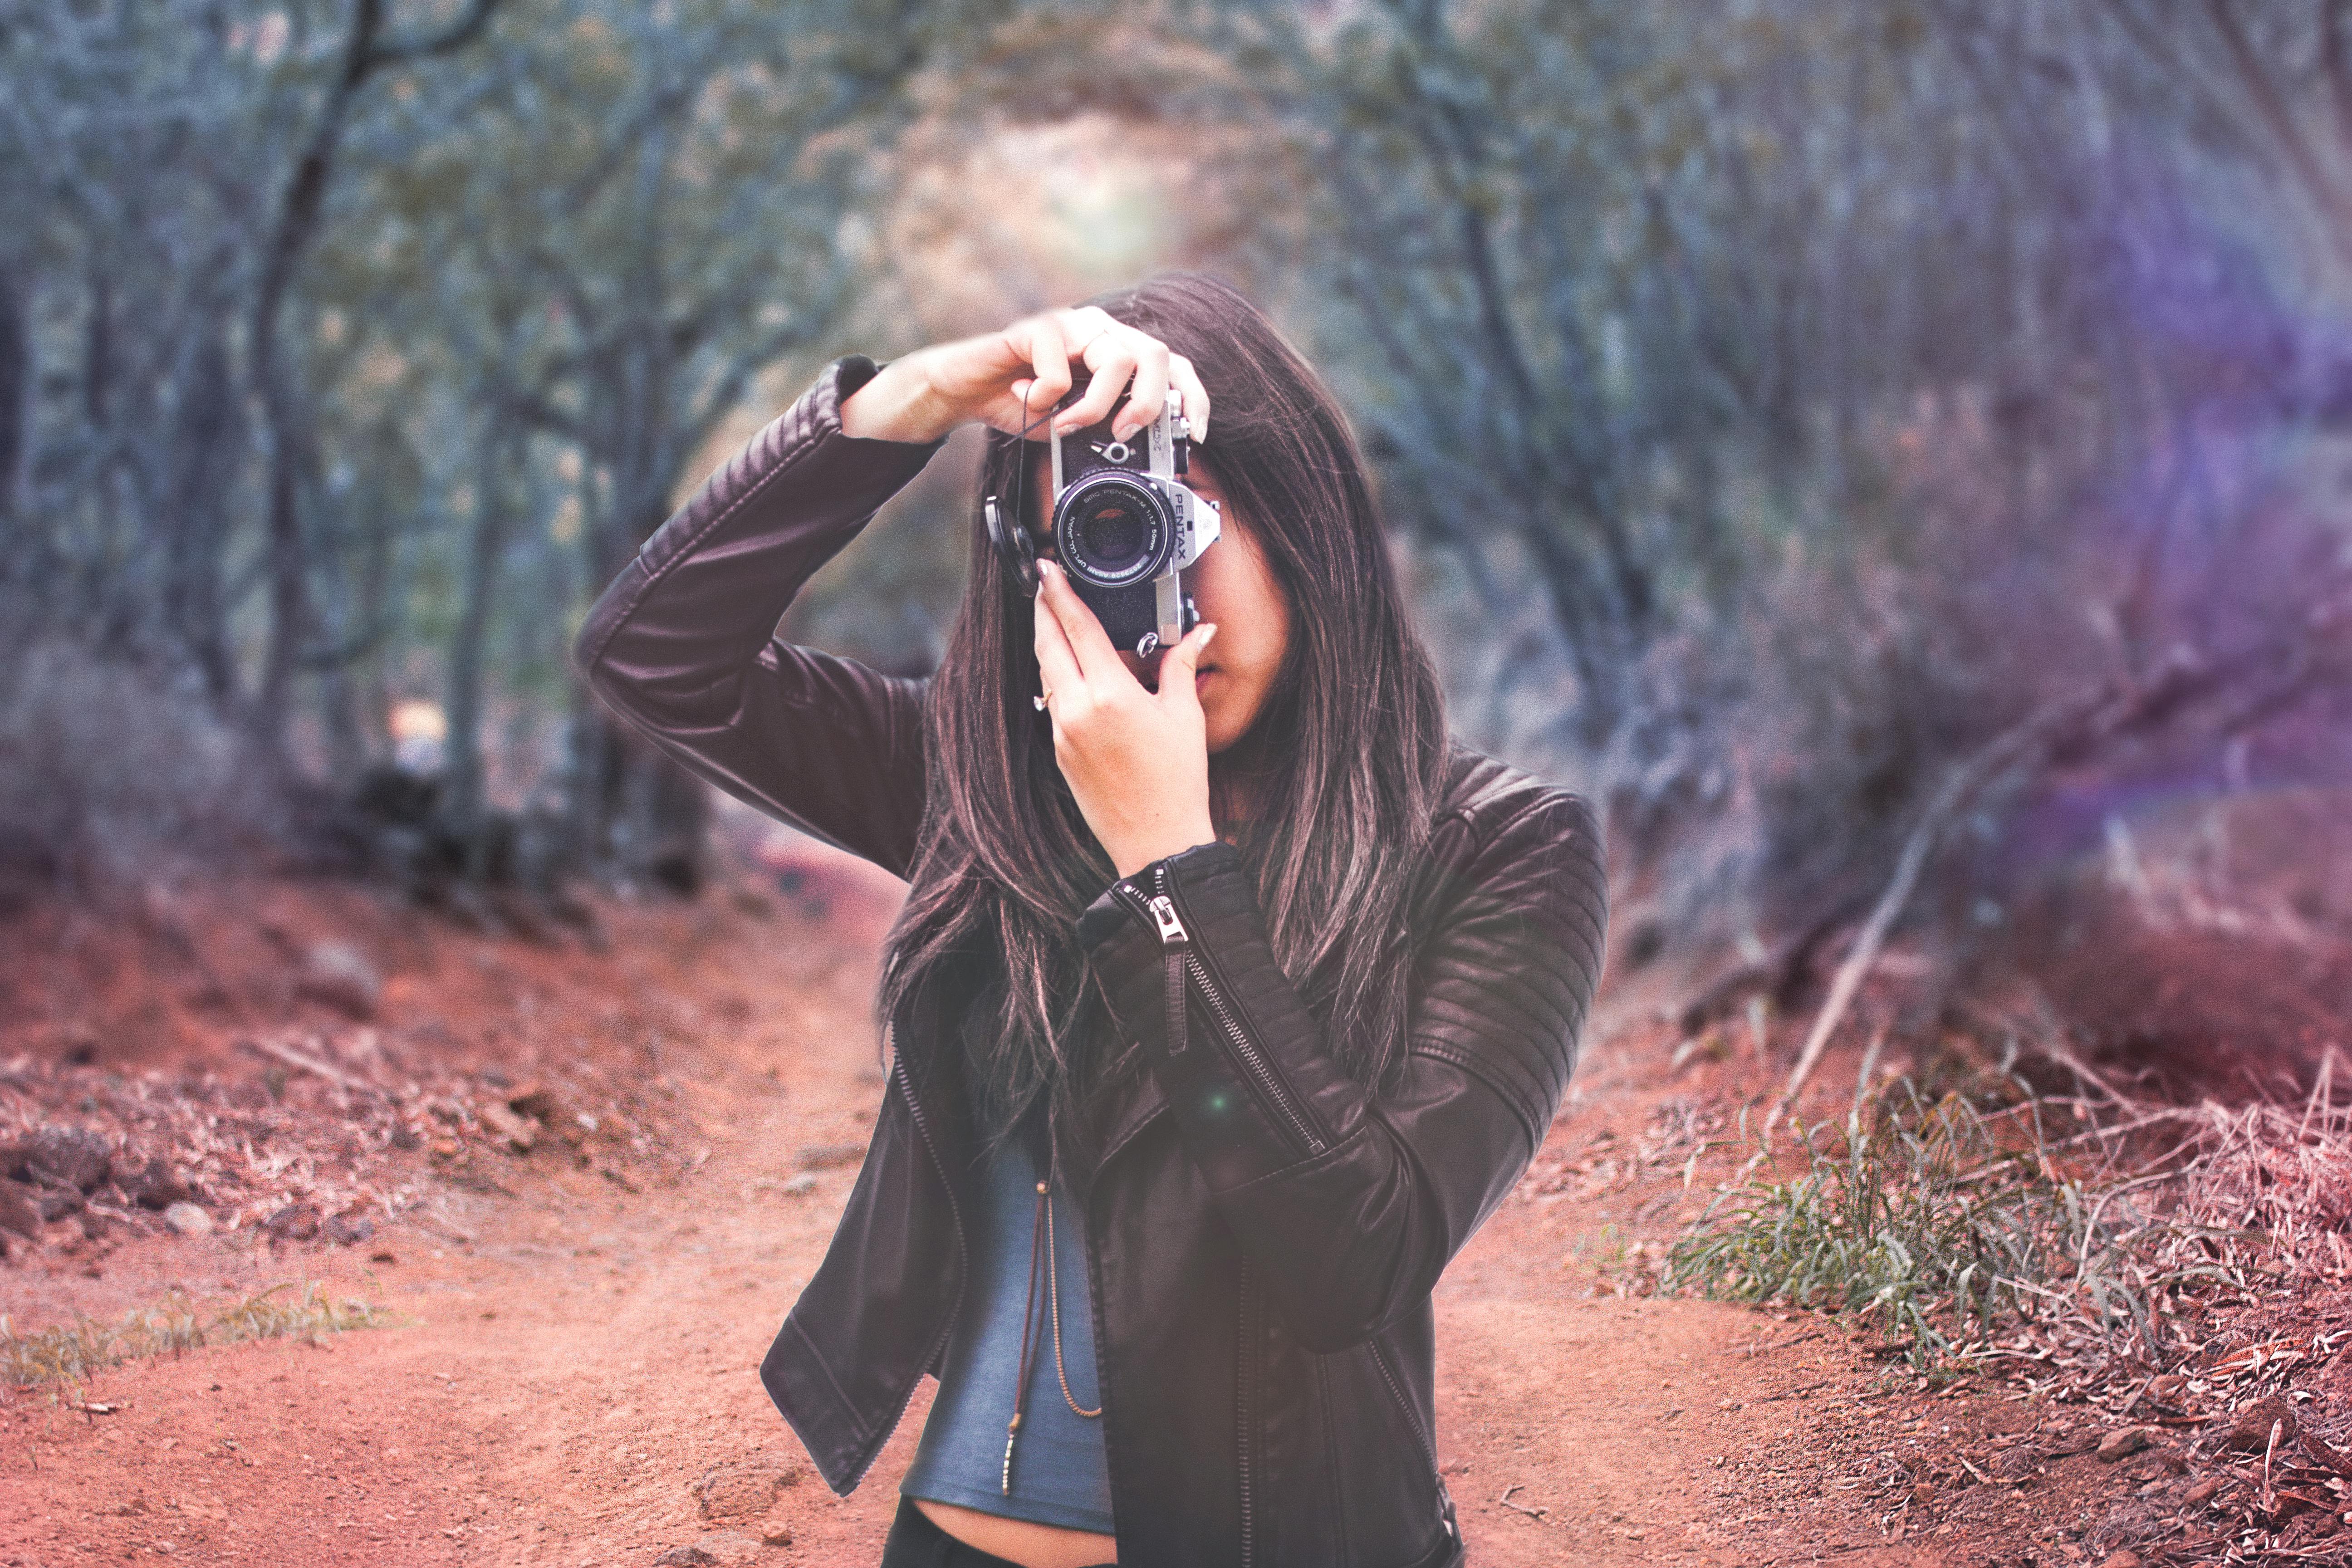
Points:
x=1230, y=996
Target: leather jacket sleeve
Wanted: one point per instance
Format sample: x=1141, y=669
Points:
x=1351, y=1204
x=683, y=643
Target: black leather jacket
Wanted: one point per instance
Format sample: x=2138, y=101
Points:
x=1264, y=1234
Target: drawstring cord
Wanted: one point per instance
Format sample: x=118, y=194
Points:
x=1040, y=1230
x=1054, y=1295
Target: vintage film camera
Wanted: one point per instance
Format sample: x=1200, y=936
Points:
x=1124, y=525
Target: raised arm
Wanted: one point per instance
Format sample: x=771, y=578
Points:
x=1351, y=1206
x=683, y=643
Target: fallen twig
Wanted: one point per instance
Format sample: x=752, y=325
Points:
x=1994, y=758
x=1772, y=974
x=2050, y=1046
x=1869, y=1064
x=1519, y=1508
x=285, y=1053
x=2270, y=1453
x=2150, y=1119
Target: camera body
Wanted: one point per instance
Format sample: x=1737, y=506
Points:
x=1124, y=526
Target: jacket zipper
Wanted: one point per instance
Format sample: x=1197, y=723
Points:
x=964, y=1259
x=1162, y=910
x=1412, y=1420
x=1246, y=1354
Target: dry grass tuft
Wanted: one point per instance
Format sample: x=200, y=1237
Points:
x=1944, y=1222
x=61, y=1357
x=1953, y=1220
x=2180, y=1267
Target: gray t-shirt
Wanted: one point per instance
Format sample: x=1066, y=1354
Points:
x=1060, y=1473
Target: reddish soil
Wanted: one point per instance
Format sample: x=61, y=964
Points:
x=576, y=1331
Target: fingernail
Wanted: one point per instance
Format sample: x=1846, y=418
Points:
x=1208, y=634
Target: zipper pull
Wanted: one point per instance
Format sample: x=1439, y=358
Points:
x=1164, y=914
x=1175, y=942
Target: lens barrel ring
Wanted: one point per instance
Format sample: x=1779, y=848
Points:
x=1114, y=529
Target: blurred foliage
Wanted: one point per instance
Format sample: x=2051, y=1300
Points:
x=1773, y=398
x=1843, y=380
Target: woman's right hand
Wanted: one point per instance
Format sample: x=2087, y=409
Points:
x=1008, y=379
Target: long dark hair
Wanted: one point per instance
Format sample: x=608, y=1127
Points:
x=1345, y=761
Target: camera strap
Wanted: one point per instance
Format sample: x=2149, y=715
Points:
x=1019, y=525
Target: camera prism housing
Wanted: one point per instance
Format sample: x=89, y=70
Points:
x=1124, y=525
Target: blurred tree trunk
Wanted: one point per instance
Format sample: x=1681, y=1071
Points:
x=462, y=790
x=296, y=224
x=15, y=385
x=634, y=812
x=656, y=809
x=645, y=815
x=671, y=340
x=207, y=435
x=347, y=634
x=289, y=447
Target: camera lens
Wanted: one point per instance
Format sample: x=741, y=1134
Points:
x=1112, y=530
x=1115, y=535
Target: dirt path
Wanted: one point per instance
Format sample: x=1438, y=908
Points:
x=568, y=1361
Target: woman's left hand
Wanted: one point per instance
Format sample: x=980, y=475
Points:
x=1137, y=761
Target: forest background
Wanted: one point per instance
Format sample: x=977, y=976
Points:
x=1850, y=440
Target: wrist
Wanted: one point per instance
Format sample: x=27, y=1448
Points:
x=899, y=404
x=1131, y=857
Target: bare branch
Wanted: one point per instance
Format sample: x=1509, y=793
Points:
x=2068, y=727
x=455, y=35
x=2336, y=65
x=2262, y=89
